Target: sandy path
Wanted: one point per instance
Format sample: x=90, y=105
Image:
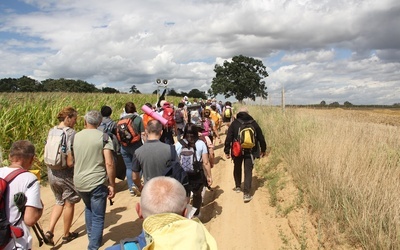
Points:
x=233, y=223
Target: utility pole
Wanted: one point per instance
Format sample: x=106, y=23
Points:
x=283, y=98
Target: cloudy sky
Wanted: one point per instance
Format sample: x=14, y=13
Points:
x=342, y=50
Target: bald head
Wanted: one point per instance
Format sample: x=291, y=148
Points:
x=243, y=109
x=163, y=195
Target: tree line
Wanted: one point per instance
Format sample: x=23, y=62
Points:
x=27, y=84
x=242, y=77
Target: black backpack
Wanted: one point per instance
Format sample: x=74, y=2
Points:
x=8, y=231
x=175, y=170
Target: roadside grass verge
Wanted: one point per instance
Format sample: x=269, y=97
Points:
x=349, y=172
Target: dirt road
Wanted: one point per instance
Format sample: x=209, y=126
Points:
x=233, y=223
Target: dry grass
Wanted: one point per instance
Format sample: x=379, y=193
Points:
x=348, y=165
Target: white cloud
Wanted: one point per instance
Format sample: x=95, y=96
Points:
x=121, y=43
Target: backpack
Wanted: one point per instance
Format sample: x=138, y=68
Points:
x=146, y=119
x=130, y=244
x=228, y=113
x=178, y=116
x=8, y=231
x=188, y=159
x=247, y=135
x=175, y=170
x=126, y=131
x=207, y=127
x=55, y=150
x=215, y=117
x=169, y=115
x=107, y=127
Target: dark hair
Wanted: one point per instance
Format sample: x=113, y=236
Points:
x=106, y=111
x=228, y=103
x=191, y=133
x=154, y=127
x=207, y=113
x=130, y=107
x=148, y=105
x=181, y=105
x=22, y=149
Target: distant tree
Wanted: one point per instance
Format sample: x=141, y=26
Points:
x=195, y=93
x=241, y=78
x=8, y=85
x=27, y=84
x=334, y=104
x=396, y=104
x=172, y=92
x=134, y=90
x=155, y=92
x=347, y=104
x=323, y=103
x=68, y=85
x=109, y=90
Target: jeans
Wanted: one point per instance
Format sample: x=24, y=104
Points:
x=95, y=210
x=248, y=169
x=128, y=154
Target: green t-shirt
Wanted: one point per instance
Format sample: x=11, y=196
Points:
x=90, y=168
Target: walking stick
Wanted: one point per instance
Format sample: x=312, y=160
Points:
x=40, y=239
x=40, y=234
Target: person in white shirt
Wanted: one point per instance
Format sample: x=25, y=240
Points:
x=21, y=156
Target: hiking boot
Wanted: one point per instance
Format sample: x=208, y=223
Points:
x=247, y=198
x=135, y=190
x=237, y=189
x=70, y=237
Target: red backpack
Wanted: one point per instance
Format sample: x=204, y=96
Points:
x=169, y=115
x=7, y=231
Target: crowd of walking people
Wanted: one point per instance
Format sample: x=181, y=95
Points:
x=148, y=143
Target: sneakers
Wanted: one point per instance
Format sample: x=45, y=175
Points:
x=135, y=191
x=247, y=198
x=237, y=189
x=70, y=237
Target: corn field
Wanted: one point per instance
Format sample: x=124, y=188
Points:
x=29, y=116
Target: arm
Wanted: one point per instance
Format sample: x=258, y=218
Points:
x=207, y=168
x=110, y=168
x=229, y=139
x=136, y=180
x=261, y=141
x=70, y=155
x=136, y=168
x=32, y=215
x=215, y=130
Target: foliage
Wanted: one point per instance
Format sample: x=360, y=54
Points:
x=323, y=103
x=134, y=90
x=30, y=115
x=334, y=104
x=347, y=104
x=109, y=90
x=195, y=93
x=241, y=78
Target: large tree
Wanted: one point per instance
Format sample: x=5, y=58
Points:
x=242, y=78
